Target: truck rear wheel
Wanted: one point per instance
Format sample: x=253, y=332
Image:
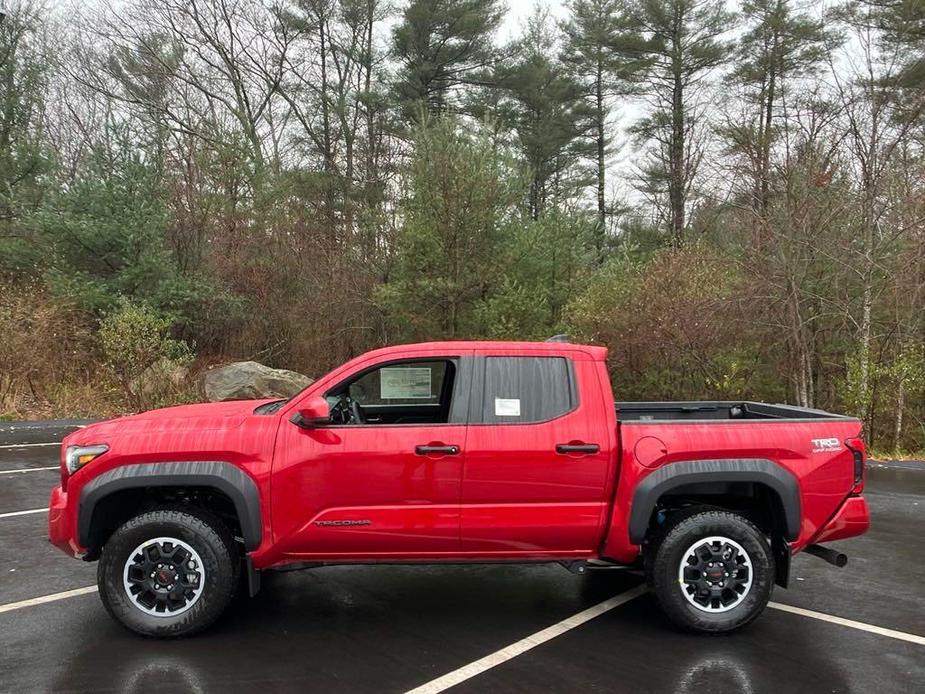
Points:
x=712, y=571
x=168, y=572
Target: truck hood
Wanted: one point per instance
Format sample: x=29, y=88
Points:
x=199, y=417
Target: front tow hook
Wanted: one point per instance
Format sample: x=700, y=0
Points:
x=830, y=555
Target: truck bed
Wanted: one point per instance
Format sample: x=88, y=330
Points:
x=713, y=410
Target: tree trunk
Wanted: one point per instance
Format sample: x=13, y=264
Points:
x=328, y=154
x=867, y=290
x=371, y=174
x=801, y=356
x=601, y=232
x=900, y=406
x=766, y=136
x=676, y=174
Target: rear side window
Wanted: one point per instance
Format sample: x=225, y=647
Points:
x=526, y=389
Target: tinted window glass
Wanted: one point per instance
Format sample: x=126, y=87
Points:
x=526, y=389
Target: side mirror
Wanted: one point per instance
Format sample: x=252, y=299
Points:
x=314, y=413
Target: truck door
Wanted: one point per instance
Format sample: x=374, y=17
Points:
x=384, y=477
x=538, y=458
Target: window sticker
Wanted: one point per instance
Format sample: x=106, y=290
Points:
x=404, y=383
x=507, y=407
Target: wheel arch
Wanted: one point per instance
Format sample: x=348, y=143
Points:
x=782, y=485
x=138, y=481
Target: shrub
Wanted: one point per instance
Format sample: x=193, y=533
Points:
x=149, y=364
x=673, y=326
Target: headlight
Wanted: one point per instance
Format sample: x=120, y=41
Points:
x=77, y=456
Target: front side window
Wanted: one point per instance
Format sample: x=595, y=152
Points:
x=408, y=392
x=526, y=389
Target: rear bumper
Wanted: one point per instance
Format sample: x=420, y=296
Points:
x=61, y=530
x=853, y=518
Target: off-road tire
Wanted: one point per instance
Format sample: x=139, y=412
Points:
x=211, y=540
x=669, y=548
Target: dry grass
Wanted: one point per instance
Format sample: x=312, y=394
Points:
x=51, y=365
x=879, y=456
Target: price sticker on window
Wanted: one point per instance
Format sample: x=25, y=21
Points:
x=401, y=383
x=507, y=407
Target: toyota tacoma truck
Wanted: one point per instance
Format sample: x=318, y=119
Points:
x=453, y=452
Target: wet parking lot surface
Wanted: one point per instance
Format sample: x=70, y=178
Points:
x=465, y=628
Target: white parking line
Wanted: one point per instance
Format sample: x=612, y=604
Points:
x=479, y=666
x=892, y=633
x=28, y=469
x=515, y=649
x=29, y=445
x=46, y=598
x=23, y=513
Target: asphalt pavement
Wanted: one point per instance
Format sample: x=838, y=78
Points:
x=497, y=628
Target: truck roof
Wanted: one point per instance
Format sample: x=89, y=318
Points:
x=591, y=352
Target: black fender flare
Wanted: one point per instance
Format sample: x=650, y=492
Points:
x=225, y=477
x=672, y=475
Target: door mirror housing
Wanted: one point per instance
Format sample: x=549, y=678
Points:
x=314, y=413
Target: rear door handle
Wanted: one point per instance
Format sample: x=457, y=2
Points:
x=577, y=448
x=436, y=450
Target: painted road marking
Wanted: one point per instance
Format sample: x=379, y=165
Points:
x=479, y=666
x=28, y=469
x=515, y=649
x=46, y=598
x=892, y=633
x=29, y=445
x=23, y=513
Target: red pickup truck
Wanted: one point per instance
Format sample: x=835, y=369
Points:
x=457, y=452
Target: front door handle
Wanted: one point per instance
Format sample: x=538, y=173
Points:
x=577, y=448
x=436, y=450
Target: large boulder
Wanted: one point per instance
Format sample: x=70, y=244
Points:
x=249, y=380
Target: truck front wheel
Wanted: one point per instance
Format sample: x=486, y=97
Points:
x=168, y=572
x=712, y=571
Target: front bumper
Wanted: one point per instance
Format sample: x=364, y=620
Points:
x=853, y=518
x=61, y=530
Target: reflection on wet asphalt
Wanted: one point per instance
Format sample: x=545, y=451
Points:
x=390, y=628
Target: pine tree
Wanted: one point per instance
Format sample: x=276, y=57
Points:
x=778, y=45
x=543, y=105
x=145, y=73
x=460, y=198
x=901, y=24
x=593, y=33
x=24, y=67
x=442, y=45
x=677, y=43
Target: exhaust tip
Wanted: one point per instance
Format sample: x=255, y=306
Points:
x=834, y=558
